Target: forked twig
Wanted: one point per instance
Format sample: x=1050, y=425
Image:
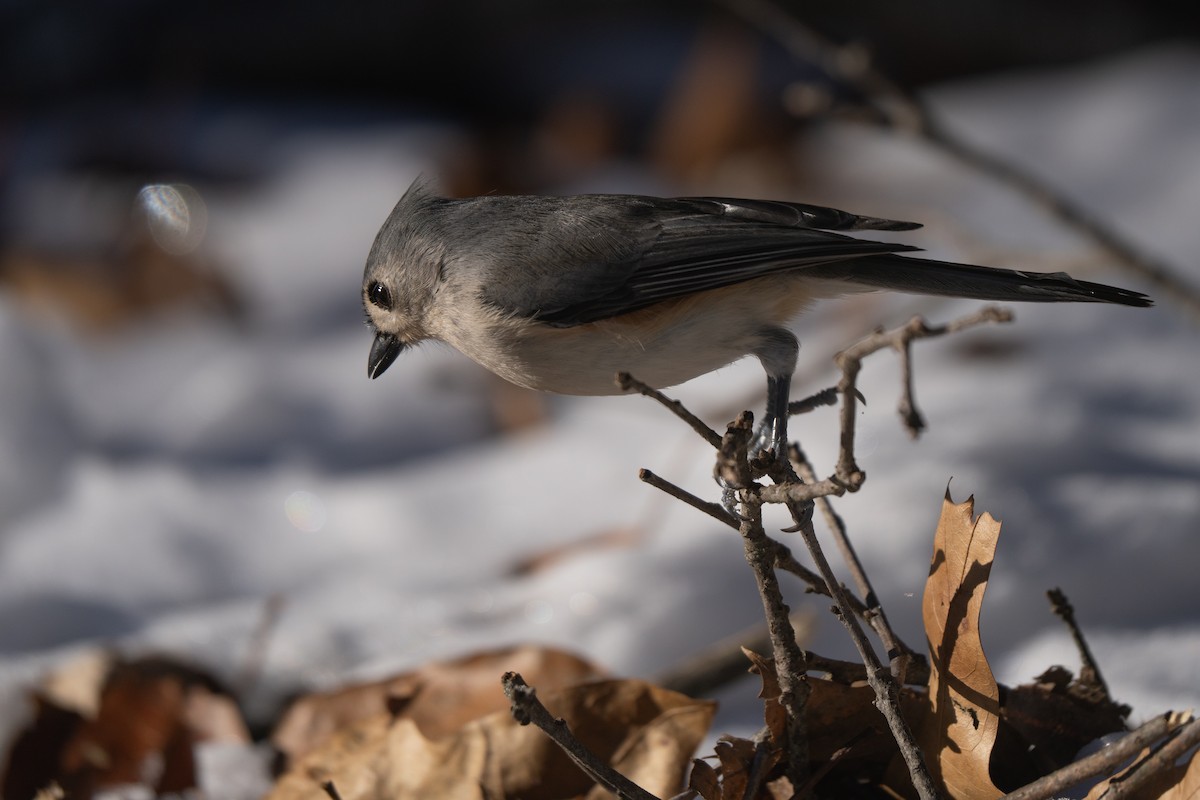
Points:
x=732, y=463
x=849, y=361
x=765, y=555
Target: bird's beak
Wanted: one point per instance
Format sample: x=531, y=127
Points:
x=384, y=350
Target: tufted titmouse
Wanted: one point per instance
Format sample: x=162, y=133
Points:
x=561, y=293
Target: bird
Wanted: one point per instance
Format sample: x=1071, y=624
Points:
x=561, y=293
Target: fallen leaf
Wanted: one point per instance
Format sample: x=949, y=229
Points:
x=140, y=725
x=703, y=780
x=439, y=698
x=736, y=759
x=32, y=762
x=1184, y=780
x=960, y=731
x=646, y=732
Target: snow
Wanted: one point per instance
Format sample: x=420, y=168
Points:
x=157, y=489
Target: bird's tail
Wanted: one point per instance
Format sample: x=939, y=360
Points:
x=944, y=278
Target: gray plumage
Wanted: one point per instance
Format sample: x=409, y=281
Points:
x=560, y=293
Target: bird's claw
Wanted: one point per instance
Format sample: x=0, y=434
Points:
x=802, y=514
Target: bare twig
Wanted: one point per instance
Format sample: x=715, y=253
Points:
x=849, y=361
x=628, y=383
x=759, y=550
x=887, y=693
x=786, y=561
x=784, y=558
x=1133, y=783
x=1089, y=672
x=893, y=105
x=914, y=422
x=1100, y=762
x=825, y=397
x=735, y=471
x=714, y=510
x=330, y=789
x=526, y=709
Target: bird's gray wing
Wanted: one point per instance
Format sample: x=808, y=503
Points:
x=593, y=257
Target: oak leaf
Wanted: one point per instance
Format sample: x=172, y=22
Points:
x=960, y=730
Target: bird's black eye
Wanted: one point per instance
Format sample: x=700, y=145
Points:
x=379, y=296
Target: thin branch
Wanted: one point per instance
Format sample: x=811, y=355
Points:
x=914, y=421
x=825, y=397
x=1089, y=672
x=849, y=361
x=628, y=383
x=887, y=693
x=786, y=561
x=526, y=709
x=735, y=471
x=1133, y=783
x=839, y=671
x=733, y=466
x=1102, y=761
x=330, y=789
x=714, y=510
x=895, y=106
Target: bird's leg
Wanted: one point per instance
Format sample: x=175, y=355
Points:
x=772, y=431
x=777, y=353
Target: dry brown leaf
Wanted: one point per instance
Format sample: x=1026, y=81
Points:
x=439, y=698
x=736, y=757
x=149, y=715
x=1056, y=719
x=773, y=712
x=959, y=733
x=703, y=780
x=656, y=755
x=639, y=727
x=32, y=759
x=1185, y=780
x=67, y=695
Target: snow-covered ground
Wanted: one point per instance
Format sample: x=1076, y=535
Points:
x=157, y=488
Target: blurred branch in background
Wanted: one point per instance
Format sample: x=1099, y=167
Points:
x=888, y=103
